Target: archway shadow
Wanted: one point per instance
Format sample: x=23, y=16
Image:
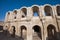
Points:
x=23, y=34
x=37, y=32
x=52, y=33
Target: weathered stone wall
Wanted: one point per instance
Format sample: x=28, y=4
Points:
x=25, y=17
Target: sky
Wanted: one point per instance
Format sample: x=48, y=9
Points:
x=10, y=5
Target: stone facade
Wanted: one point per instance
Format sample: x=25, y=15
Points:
x=45, y=26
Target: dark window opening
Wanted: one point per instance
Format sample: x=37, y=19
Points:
x=13, y=35
x=8, y=13
x=58, y=10
x=14, y=29
x=37, y=32
x=36, y=28
x=48, y=10
x=23, y=27
x=15, y=12
x=24, y=12
x=51, y=32
x=15, y=17
x=23, y=15
x=35, y=14
x=23, y=33
x=35, y=11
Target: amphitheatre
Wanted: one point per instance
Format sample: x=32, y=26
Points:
x=37, y=22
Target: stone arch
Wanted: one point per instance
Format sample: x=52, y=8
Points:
x=35, y=10
x=13, y=31
x=24, y=12
x=15, y=12
x=6, y=30
x=51, y=32
x=48, y=10
x=37, y=32
x=23, y=32
x=58, y=10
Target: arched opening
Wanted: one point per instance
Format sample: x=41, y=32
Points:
x=58, y=10
x=37, y=33
x=24, y=12
x=6, y=32
x=15, y=14
x=35, y=11
x=1, y=28
x=23, y=32
x=13, y=29
x=51, y=32
x=48, y=10
x=8, y=15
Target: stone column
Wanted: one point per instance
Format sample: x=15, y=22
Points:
x=19, y=14
x=11, y=30
x=29, y=13
x=55, y=20
x=41, y=18
x=45, y=32
x=19, y=32
x=42, y=15
x=19, y=29
x=29, y=33
x=46, y=37
x=42, y=33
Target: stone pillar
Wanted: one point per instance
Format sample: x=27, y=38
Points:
x=19, y=14
x=29, y=13
x=45, y=32
x=55, y=15
x=42, y=33
x=42, y=14
x=29, y=33
x=11, y=30
x=41, y=18
x=46, y=37
x=19, y=31
x=16, y=29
